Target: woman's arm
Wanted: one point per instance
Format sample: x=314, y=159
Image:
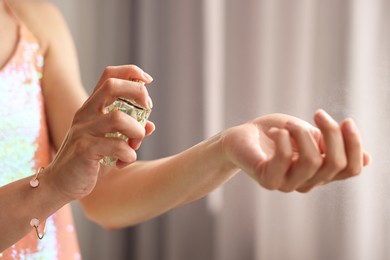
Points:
x=263, y=148
x=146, y=189
x=19, y=203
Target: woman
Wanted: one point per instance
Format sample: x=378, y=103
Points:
x=44, y=107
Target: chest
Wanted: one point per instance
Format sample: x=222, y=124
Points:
x=20, y=111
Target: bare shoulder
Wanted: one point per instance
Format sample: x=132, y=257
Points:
x=42, y=17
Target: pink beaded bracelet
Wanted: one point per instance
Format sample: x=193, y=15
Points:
x=34, y=223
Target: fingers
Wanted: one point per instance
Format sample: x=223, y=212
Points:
x=309, y=159
x=367, y=159
x=126, y=81
x=95, y=148
x=296, y=157
x=115, y=83
x=343, y=159
x=124, y=72
x=117, y=121
x=353, y=150
x=274, y=173
x=316, y=158
x=113, y=88
x=150, y=127
x=120, y=81
x=335, y=159
x=113, y=122
x=92, y=149
x=86, y=142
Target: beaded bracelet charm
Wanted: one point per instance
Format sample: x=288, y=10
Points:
x=34, y=223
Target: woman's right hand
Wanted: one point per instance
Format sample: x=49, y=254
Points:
x=76, y=166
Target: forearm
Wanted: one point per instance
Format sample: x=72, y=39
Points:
x=19, y=203
x=147, y=189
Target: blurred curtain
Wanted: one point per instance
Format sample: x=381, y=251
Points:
x=218, y=63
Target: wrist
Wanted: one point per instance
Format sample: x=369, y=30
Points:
x=44, y=197
x=50, y=180
x=218, y=144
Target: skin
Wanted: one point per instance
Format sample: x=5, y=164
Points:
x=278, y=151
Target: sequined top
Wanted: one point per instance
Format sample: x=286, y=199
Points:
x=25, y=144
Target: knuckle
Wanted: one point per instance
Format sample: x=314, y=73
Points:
x=283, y=134
x=136, y=136
x=265, y=185
x=116, y=118
x=133, y=67
x=125, y=152
x=337, y=164
x=141, y=95
x=286, y=189
x=316, y=162
x=354, y=170
x=328, y=178
x=288, y=186
x=141, y=91
x=301, y=130
x=272, y=184
x=285, y=154
x=311, y=161
x=110, y=86
x=305, y=189
x=107, y=70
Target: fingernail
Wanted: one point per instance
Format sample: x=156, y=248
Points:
x=351, y=127
x=148, y=77
x=323, y=116
x=150, y=102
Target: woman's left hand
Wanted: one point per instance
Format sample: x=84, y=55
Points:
x=286, y=153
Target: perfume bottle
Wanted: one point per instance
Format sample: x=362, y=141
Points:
x=134, y=110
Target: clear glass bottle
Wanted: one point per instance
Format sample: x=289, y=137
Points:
x=134, y=110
